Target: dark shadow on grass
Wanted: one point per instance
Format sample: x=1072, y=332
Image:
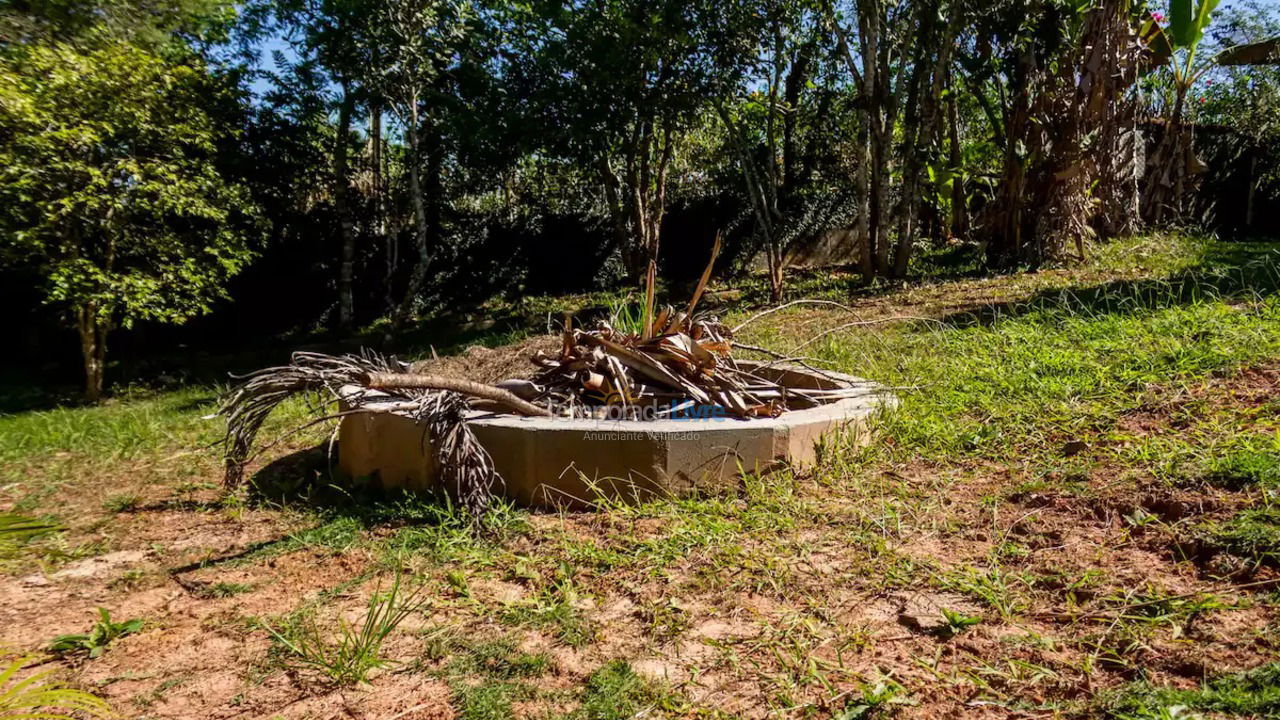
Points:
x=175, y=505
x=1228, y=272
x=345, y=514
x=21, y=393
x=309, y=480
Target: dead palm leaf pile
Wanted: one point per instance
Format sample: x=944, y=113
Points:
x=673, y=363
x=681, y=364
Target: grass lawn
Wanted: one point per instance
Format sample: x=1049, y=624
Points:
x=1074, y=512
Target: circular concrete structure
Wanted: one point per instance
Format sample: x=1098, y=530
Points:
x=566, y=462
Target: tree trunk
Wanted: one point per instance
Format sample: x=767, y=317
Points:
x=865, y=246
x=617, y=213
x=875, y=97
x=419, y=274
x=959, y=223
x=758, y=193
x=1003, y=219
x=639, y=202
x=92, y=329
x=341, y=201
x=389, y=239
x=797, y=78
x=863, y=171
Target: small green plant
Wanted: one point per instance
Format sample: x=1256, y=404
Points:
x=225, y=590
x=666, y=618
x=100, y=636
x=128, y=579
x=626, y=316
x=995, y=587
x=457, y=580
x=38, y=697
x=357, y=650
x=875, y=701
x=957, y=622
x=122, y=503
x=556, y=607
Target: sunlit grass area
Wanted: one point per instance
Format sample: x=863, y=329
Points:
x=1074, y=498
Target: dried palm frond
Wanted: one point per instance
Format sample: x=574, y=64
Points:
x=466, y=470
x=686, y=360
x=369, y=382
x=248, y=404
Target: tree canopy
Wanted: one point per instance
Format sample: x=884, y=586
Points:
x=111, y=188
x=399, y=159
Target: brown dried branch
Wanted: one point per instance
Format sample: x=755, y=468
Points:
x=406, y=381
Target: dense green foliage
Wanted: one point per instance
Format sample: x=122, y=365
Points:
x=359, y=163
x=110, y=182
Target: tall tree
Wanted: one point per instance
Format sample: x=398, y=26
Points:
x=620, y=84
x=900, y=68
x=771, y=128
x=424, y=41
x=336, y=35
x=109, y=187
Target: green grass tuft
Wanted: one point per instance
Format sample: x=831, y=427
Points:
x=498, y=659
x=1252, y=534
x=1255, y=465
x=616, y=692
x=349, y=654
x=488, y=700
x=1252, y=693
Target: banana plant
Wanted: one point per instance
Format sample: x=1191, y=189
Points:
x=1187, y=23
x=1173, y=160
x=1177, y=45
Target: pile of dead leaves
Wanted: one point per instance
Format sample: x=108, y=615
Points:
x=681, y=362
